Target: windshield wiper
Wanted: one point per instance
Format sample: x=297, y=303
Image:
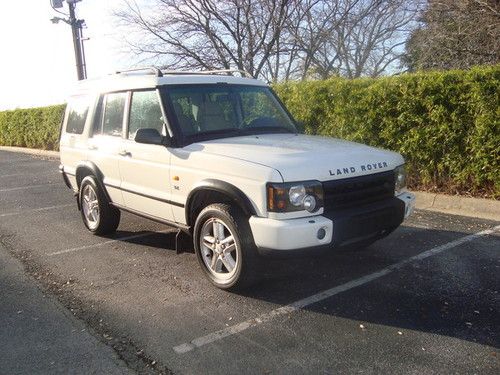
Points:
x=263, y=128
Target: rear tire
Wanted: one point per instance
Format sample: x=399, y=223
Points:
x=224, y=247
x=98, y=215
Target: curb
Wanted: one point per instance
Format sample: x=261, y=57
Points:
x=458, y=205
x=32, y=151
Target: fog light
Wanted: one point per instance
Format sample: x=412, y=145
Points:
x=321, y=233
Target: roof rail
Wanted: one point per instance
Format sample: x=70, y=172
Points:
x=152, y=70
x=159, y=73
x=203, y=72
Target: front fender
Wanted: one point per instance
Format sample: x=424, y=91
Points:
x=221, y=187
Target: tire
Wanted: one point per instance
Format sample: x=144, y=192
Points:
x=226, y=269
x=98, y=215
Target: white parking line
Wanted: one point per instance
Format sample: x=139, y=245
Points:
x=14, y=161
x=49, y=172
x=297, y=305
x=22, y=212
x=29, y=187
x=12, y=175
x=125, y=238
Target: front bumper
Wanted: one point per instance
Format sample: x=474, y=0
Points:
x=345, y=227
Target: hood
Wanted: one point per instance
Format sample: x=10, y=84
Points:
x=303, y=157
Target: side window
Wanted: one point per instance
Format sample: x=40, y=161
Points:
x=145, y=112
x=78, y=108
x=97, y=121
x=113, y=113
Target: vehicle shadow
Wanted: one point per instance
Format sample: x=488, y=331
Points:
x=452, y=294
x=157, y=240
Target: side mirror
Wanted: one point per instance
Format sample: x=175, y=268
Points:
x=148, y=136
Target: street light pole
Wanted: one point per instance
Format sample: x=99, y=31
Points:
x=76, y=29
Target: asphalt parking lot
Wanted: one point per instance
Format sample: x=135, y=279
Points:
x=424, y=300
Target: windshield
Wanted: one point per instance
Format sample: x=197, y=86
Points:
x=217, y=110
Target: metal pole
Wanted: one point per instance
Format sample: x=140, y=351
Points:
x=82, y=48
x=76, y=29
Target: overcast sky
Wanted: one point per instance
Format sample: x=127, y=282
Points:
x=37, y=65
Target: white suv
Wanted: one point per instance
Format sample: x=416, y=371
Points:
x=220, y=158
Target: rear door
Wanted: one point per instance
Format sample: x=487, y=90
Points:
x=105, y=142
x=145, y=168
x=73, y=141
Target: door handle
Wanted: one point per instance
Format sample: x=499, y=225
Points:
x=124, y=153
x=92, y=147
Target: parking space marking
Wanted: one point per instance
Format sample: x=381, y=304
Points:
x=318, y=297
x=28, y=187
x=14, y=161
x=125, y=238
x=36, y=210
x=12, y=175
x=47, y=173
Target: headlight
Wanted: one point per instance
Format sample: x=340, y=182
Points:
x=399, y=179
x=294, y=196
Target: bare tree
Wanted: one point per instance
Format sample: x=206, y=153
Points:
x=274, y=39
x=456, y=34
x=210, y=34
x=356, y=37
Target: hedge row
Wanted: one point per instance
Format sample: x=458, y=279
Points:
x=446, y=124
x=34, y=127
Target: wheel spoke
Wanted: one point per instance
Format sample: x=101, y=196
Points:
x=216, y=263
x=208, y=241
x=229, y=262
x=94, y=213
x=218, y=231
x=213, y=260
x=229, y=249
x=227, y=241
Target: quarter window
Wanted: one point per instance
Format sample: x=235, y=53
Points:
x=145, y=112
x=113, y=113
x=78, y=108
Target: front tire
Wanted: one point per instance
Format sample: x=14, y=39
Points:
x=224, y=246
x=98, y=215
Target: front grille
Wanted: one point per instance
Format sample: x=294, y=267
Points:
x=356, y=191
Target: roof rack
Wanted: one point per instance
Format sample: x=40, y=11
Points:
x=152, y=70
x=160, y=73
x=206, y=72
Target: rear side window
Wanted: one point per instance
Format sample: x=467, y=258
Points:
x=112, y=119
x=145, y=112
x=78, y=108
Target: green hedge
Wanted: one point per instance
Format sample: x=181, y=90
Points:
x=446, y=124
x=33, y=127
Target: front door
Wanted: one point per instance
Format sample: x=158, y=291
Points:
x=145, y=168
